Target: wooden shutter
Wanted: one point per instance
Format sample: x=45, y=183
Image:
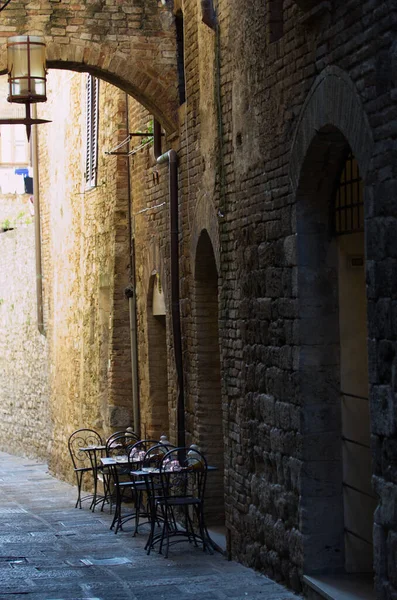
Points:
x=91, y=162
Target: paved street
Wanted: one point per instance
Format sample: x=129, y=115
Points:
x=51, y=551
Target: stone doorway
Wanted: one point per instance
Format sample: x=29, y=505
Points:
x=337, y=502
x=208, y=413
x=359, y=501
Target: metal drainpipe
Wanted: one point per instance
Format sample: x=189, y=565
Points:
x=131, y=295
x=171, y=158
x=37, y=226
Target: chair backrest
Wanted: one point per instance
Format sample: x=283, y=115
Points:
x=155, y=454
x=82, y=438
x=183, y=473
x=138, y=451
x=128, y=431
x=120, y=445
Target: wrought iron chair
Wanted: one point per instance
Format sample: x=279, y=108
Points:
x=128, y=431
x=125, y=488
x=82, y=462
x=183, y=475
x=151, y=467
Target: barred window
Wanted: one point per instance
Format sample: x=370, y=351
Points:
x=349, y=201
x=91, y=161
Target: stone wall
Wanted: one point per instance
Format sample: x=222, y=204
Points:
x=25, y=426
x=278, y=377
x=86, y=266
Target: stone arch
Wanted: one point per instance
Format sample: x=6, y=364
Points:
x=332, y=100
x=205, y=219
x=133, y=57
x=332, y=123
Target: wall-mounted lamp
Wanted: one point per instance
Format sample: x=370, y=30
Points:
x=26, y=67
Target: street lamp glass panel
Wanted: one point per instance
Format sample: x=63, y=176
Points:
x=26, y=69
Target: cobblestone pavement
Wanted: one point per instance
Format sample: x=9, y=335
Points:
x=51, y=551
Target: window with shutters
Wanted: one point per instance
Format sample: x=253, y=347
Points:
x=91, y=161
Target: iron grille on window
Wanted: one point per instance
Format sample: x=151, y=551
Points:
x=91, y=161
x=349, y=201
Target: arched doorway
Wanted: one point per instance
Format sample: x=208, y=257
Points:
x=359, y=501
x=157, y=403
x=208, y=409
x=337, y=501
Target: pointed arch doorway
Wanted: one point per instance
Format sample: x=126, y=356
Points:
x=208, y=415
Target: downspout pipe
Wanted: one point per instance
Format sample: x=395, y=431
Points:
x=171, y=158
x=37, y=226
x=130, y=293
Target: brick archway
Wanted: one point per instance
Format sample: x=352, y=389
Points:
x=132, y=47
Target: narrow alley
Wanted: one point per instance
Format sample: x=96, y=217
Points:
x=51, y=551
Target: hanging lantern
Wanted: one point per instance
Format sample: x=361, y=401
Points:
x=26, y=69
x=26, y=76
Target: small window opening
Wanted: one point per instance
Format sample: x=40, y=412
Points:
x=349, y=200
x=180, y=56
x=91, y=161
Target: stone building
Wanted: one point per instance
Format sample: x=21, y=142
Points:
x=266, y=311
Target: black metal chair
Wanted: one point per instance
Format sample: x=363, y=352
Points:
x=82, y=462
x=151, y=467
x=183, y=475
x=128, y=489
x=127, y=431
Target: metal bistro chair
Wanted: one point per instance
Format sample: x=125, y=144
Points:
x=183, y=475
x=128, y=431
x=82, y=464
x=151, y=467
x=126, y=489
x=116, y=444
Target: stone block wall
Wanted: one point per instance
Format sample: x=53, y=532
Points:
x=86, y=266
x=25, y=426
